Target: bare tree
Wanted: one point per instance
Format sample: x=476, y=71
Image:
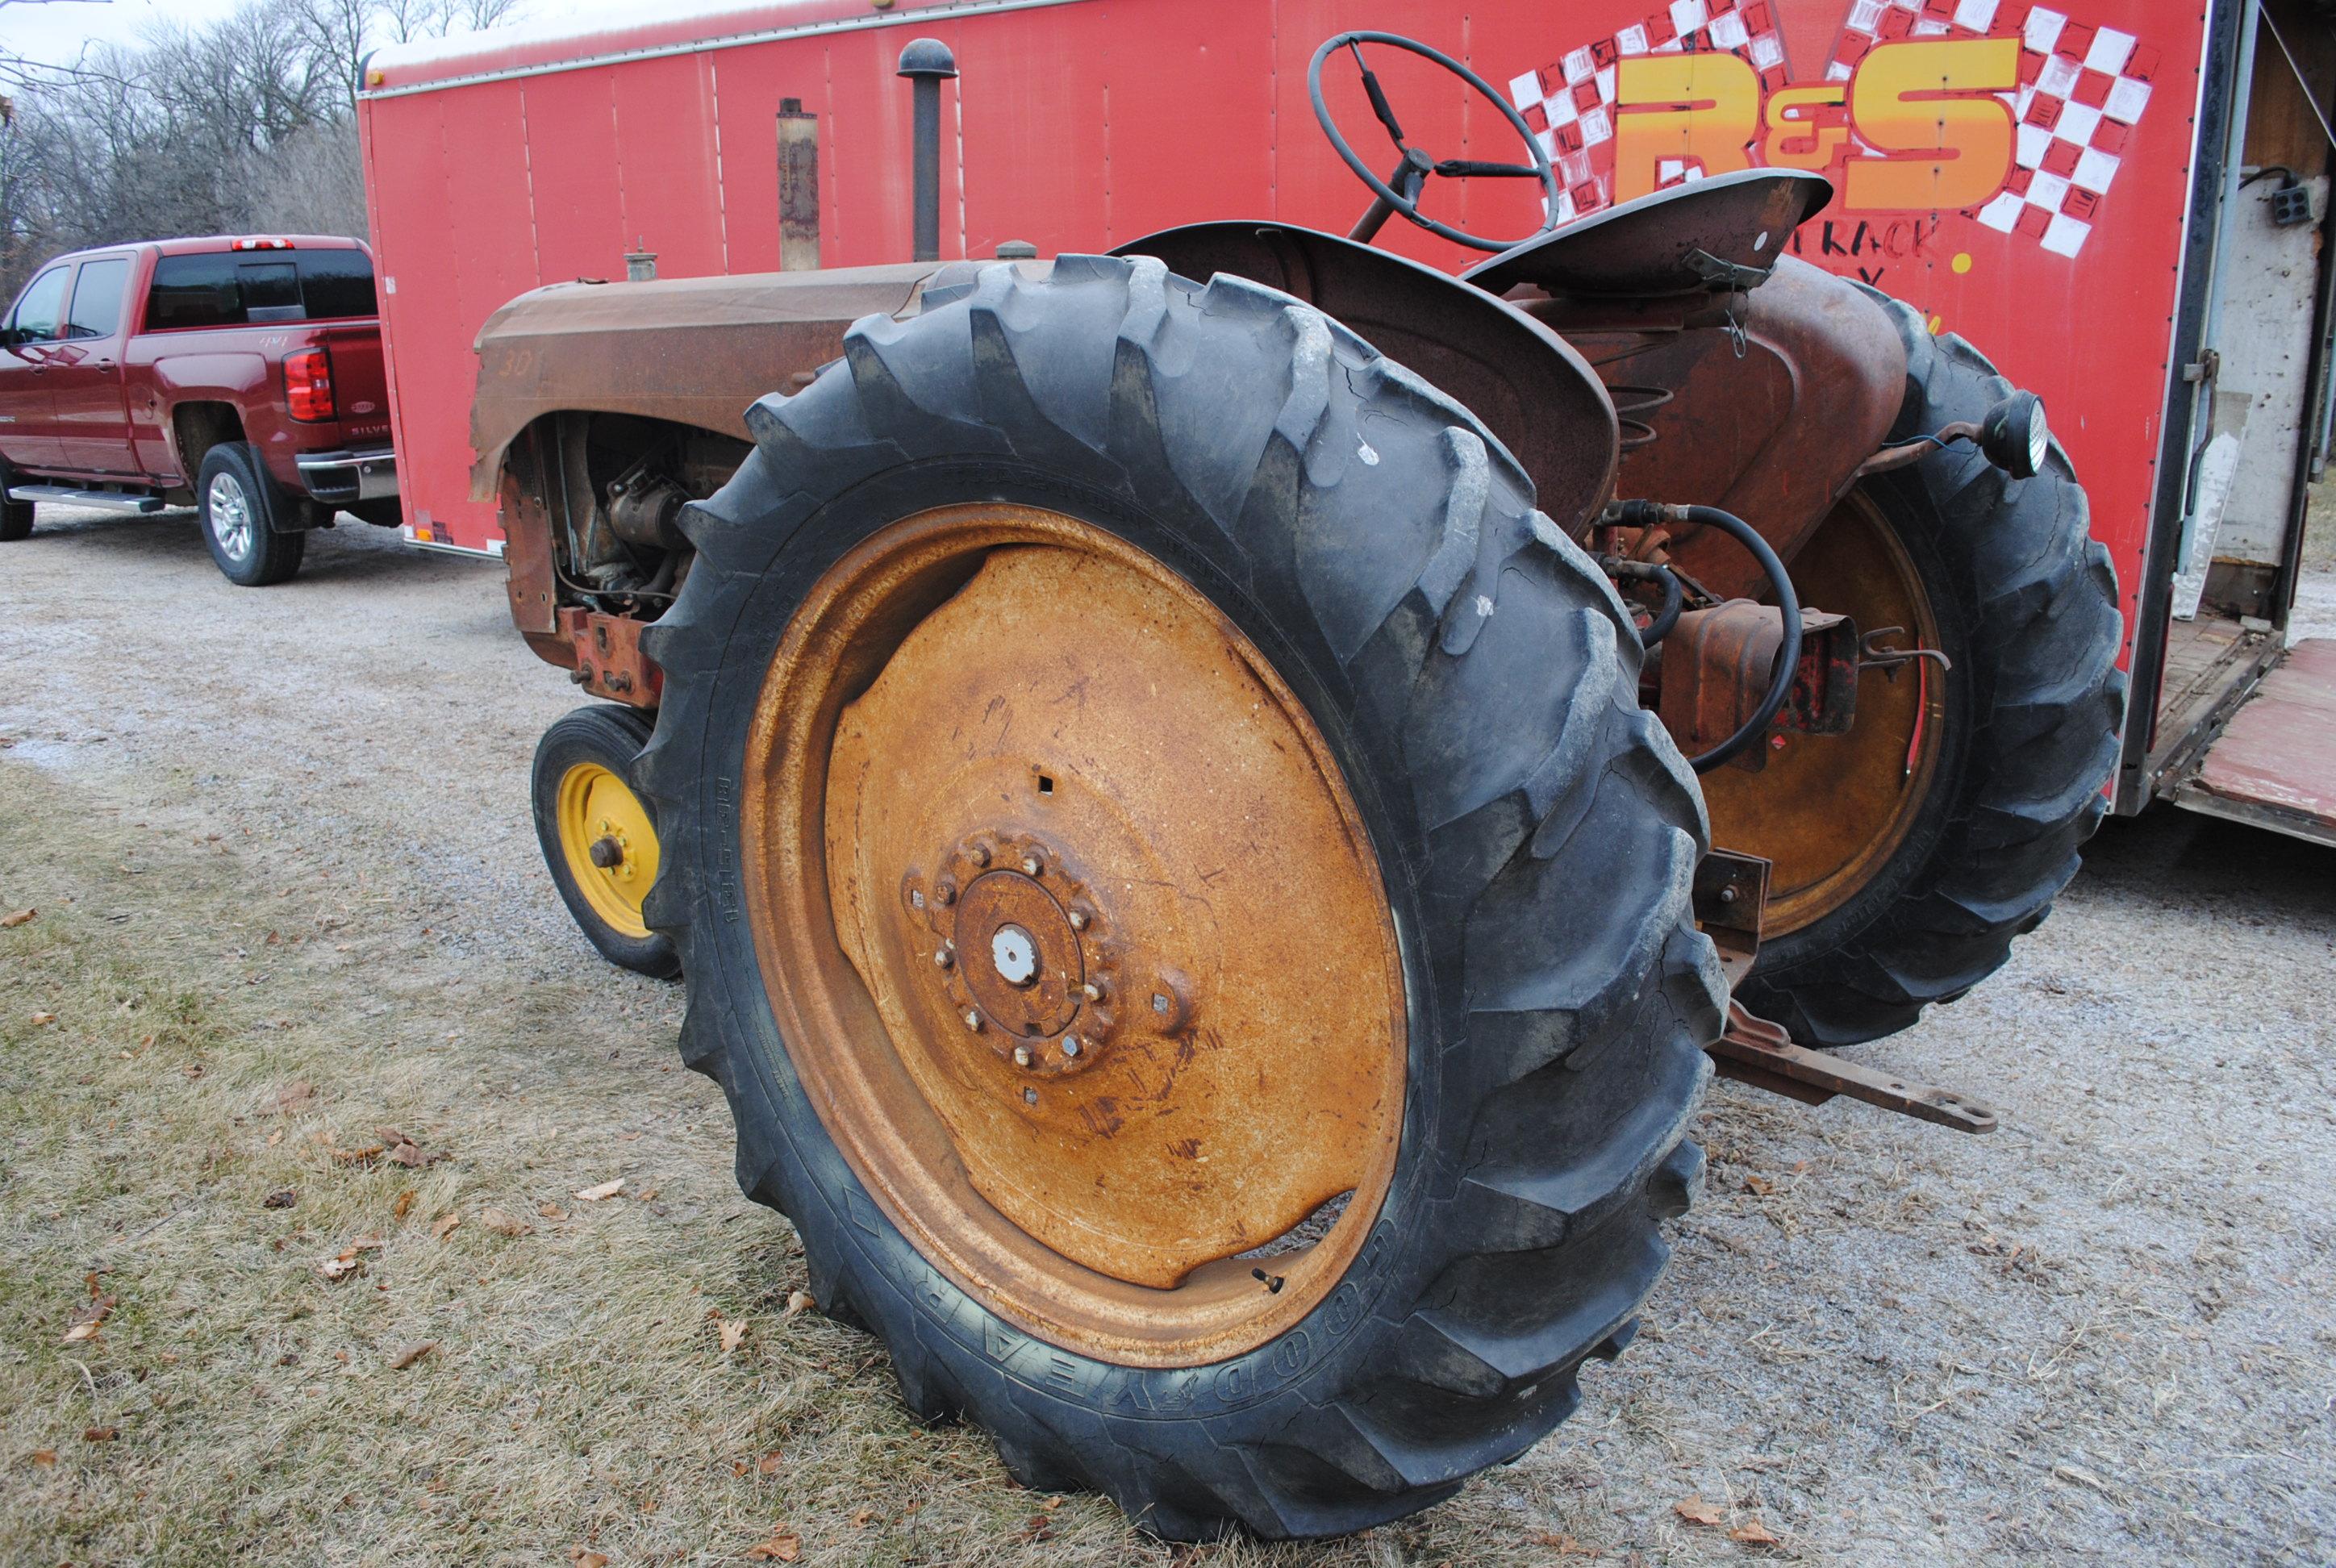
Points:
x=246, y=123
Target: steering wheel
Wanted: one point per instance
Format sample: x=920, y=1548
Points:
x=1399, y=193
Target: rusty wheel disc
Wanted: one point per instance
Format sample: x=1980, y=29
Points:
x=1829, y=811
x=1075, y=935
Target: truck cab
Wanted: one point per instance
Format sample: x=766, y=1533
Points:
x=242, y=374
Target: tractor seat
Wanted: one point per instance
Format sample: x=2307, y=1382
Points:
x=1714, y=236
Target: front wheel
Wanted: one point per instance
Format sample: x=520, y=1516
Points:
x=16, y=516
x=598, y=839
x=240, y=505
x=1215, y=997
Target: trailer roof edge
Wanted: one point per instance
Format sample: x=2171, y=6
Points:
x=951, y=10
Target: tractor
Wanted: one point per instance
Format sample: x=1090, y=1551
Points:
x=1217, y=802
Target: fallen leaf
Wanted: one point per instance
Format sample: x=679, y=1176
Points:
x=274, y=1138
x=733, y=1334
x=777, y=1549
x=1566, y=1545
x=798, y=1301
x=584, y=1557
x=402, y=1206
x=1759, y=1186
x=44, y=1455
x=281, y=1199
x=337, y=1267
x=39, y=1018
x=1696, y=1510
x=411, y=1354
x=100, y=1433
x=861, y=1515
x=80, y=1332
x=605, y=1189
x=443, y=1227
x=364, y=1156
x=294, y=1094
x=551, y=1210
x=495, y=1220
x=1037, y=1527
x=769, y=1463
x=22, y=917
x=1051, y=1504
x=409, y=1156
x=1752, y=1532
x=192, y=1070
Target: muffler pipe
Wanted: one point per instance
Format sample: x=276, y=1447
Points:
x=927, y=64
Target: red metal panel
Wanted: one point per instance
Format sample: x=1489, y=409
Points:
x=2278, y=753
x=1081, y=125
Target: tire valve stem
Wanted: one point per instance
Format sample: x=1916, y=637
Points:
x=1272, y=1282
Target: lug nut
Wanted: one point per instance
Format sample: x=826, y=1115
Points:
x=978, y=854
x=945, y=893
x=1030, y=866
x=606, y=852
x=1070, y=1044
x=1021, y=1056
x=973, y=1021
x=1091, y=991
x=942, y=957
x=1159, y=1003
x=1078, y=920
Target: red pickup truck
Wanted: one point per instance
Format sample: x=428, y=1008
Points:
x=241, y=374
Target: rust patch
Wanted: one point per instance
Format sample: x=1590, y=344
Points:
x=607, y=661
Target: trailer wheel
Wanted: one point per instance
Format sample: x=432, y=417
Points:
x=16, y=516
x=598, y=839
x=238, y=503
x=1218, y=1000
x=1909, y=854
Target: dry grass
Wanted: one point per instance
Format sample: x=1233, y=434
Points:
x=578, y=1395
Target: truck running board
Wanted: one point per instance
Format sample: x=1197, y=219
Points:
x=66, y=495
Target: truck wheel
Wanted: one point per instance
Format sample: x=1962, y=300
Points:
x=16, y=516
x=1219, y=1001
x=1909, y=852
x=238, y=503
x=596, y=836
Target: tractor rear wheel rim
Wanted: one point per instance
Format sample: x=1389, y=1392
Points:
x=1830, y=811
x=596, y=807
x=1074, y=931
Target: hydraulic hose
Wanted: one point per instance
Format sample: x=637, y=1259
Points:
x=1788, y=656
x=1647, y=513
x=1674, y=595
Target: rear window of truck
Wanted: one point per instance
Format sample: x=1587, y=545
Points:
x=237, y=288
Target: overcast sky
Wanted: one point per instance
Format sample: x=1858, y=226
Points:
x=54, y=29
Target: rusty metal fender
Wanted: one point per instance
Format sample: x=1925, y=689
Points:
x=1528, y=384
x=1761, y=404
x=693, y=351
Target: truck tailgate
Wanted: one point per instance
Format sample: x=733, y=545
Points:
x=360, y=383
x=2275, y=764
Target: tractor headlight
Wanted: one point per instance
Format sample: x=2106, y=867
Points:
x=2014, y=435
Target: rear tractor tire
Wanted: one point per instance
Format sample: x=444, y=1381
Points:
x=1081, y=685
x=1909, y=854
x=598, y=838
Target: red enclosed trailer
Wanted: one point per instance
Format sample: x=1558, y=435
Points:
x=2124, y=202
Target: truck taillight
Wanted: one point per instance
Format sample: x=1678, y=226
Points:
x=308, y=383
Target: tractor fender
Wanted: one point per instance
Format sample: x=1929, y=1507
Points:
x=1530, y=386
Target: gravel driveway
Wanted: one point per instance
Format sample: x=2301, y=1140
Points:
x=2106, y=1333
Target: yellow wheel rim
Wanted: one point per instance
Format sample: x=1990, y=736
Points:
x=596, y=809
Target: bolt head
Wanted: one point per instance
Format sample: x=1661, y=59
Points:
x=1078, y=920
x=1159, y=1003
x=606, y=852
x=1070, y=1044
x=944, y=958
x=1021, y=1056
x=1091, y=991
x=973, y=1020
x=1031, y=866
x=945, y=894
x=978, y=854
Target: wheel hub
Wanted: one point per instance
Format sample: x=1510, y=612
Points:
x=1021, y=951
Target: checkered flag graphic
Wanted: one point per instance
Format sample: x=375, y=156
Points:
x=1570, y=104
x=2082, y=89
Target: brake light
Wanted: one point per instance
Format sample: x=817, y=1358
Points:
x=260, y=245
x=308, y=385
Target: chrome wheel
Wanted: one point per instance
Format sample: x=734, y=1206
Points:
x=228, y=511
